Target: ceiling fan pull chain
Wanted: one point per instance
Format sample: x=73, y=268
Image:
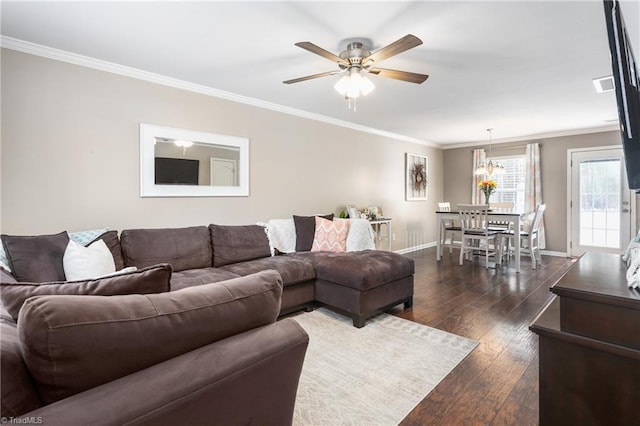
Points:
x=351, y=103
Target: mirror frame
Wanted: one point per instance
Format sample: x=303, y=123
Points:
x=148, y=188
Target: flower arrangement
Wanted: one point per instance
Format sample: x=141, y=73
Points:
x=488, y=186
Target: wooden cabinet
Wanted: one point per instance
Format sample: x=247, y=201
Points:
x=589, y=338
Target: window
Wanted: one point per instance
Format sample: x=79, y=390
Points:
x=510, y=184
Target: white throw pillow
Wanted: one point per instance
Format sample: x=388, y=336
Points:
x=81, y=263
x=282, y=235
x=361, y=235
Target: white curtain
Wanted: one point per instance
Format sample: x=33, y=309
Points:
x=479, y=158
x=533, y=185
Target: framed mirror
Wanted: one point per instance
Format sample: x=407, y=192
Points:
x=186, y=163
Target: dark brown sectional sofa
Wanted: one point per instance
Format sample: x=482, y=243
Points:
x=359, y=284
x=210, y=279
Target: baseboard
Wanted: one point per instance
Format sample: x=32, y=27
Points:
x=433, y=244
x=554, y=253
x=416, y=248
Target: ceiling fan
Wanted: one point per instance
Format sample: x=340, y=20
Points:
x=356, y=60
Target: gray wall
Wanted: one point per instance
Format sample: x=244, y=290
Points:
x=70, y=157
x=553, y=157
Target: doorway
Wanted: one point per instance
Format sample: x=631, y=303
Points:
x=223, y=172
x=600, y=209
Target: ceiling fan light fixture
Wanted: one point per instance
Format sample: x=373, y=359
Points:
x=341, y=85
x=366, y=86
x=353, y=85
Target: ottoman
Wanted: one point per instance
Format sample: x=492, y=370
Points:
x=365, y=283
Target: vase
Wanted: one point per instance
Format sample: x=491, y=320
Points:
x=486, y=199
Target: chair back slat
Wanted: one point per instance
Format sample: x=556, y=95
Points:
x=537, y=218
x=444, y=206
x=473, y=218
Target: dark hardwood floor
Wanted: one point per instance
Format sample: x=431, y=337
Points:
x=497, y=384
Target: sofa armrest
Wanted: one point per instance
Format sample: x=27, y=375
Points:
x=248, y=378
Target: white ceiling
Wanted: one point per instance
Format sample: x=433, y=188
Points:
x=523, y=68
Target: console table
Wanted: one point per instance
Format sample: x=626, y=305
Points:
x=589, y=340
x=377, y=228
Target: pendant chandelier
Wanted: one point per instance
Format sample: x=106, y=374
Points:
x=489, y=168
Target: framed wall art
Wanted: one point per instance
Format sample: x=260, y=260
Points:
x=416, y=177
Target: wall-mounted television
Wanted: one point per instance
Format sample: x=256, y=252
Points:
x=176, y=171
x=627, y=82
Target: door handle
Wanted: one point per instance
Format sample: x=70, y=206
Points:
x=625, y=210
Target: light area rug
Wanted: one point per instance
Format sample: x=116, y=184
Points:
x=373, y=375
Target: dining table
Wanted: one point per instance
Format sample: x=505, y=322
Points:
x=515, y=218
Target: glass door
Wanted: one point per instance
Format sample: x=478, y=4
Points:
x=600, y=202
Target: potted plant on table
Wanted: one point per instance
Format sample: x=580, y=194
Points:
x=488, y=186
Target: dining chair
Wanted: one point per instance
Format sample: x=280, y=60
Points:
x=502, y=225
x=529, y=238
x=502, y=207
x=476, y=232
x=450, y=229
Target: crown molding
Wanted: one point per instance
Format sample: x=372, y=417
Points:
x=538, y=136
x=98, y=64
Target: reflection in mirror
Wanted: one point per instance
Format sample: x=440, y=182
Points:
x=177, y=162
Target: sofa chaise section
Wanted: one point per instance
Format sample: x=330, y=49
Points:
x=365, y=283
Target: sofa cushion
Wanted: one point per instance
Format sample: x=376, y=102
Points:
x=292, y=270
x=233, y=244
x=193, y=277
x=153, y=279
x=363, y=270
x=74, y=343
x=82, y=237
x=112, y=241
x=182, y=248
x=305, y=230
x=330, y=235
x=36, y=258
x=82, y=263
x=19, y=396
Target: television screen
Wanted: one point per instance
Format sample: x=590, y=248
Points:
x=176, y=171
x=627, y=82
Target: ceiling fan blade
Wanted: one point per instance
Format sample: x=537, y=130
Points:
x=311, y=77
x=405, y=43
x=411, y=77
x=313, y=48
